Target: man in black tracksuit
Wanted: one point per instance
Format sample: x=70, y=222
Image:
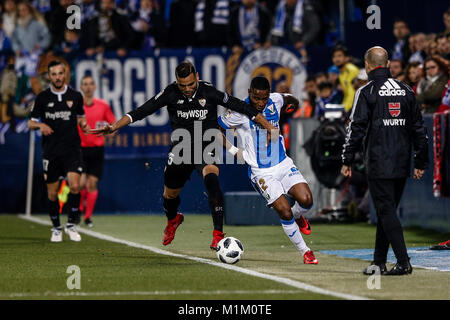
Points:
x=387, y=119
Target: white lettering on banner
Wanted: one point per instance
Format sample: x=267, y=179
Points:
x=130, y=66
x=149, y=81
x=218, y=63
x=113, y=95
x=118, y=87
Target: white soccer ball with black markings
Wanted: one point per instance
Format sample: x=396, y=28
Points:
x=230, y=250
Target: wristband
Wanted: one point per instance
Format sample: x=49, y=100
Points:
x=233, y=150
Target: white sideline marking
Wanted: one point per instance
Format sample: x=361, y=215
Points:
x=142, y=293
x=289, y=282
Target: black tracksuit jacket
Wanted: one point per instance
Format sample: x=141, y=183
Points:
x=387, y=122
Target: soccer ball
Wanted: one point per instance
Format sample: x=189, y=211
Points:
x=229, y=250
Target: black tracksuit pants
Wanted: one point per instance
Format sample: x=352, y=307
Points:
x=386, y=195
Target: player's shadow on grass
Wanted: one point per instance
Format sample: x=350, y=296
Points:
x=5, y=240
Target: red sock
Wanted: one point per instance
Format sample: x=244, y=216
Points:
x=91, y=199
x=83, y=193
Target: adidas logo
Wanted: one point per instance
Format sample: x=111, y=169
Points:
x=391, y=88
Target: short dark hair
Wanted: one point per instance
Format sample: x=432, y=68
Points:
x=184, y=69
x=311, y=78
x=54, y=63
x=399, y=60
x=325, y=84
x=87, y=75
x=439, y=36
x=400, y=20
x=260, y=83
x=341, y=48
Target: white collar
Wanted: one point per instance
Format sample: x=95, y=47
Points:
x=59, y=94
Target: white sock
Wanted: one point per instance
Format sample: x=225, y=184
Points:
x=298, y=210
x=293, y=232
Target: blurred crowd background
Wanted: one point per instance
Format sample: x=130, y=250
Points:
x=32, y=32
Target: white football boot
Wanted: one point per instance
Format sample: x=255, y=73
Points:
x=56, y=235
x=72, y=232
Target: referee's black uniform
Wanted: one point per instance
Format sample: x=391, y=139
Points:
x=386, y=119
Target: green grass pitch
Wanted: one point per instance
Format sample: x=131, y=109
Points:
x=33, y=268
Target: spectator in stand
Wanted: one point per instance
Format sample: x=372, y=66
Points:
x=419, y=48
x=413, y=74
x=333, y=76
x=431, y=47
x=5, y=42
x=347, y=72
x=9, y=17
x=429, y=89
x=249, y=26
x=396, y=68
x=30, y=33
x=446, y=20
x=149, y=25
x=401, y=49
x=441, y=46
x=360, y=80
x=321, y=77
x=211, y=23
x=69, y=48
x=56, y=21
x=108, y=31
x=88, y=10
x=296, y=23
x=181, y=23
x=445, y=103
x=327, y=95
x=307, y=107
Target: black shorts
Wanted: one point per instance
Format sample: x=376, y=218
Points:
x=56, y=167
x=93, y=158
x=176, y=175
x=176, y=172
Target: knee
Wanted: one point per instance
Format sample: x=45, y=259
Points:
x=170, y=194
x=306, y=200
x=52, y=195
x=74, y=188
x=91, y=186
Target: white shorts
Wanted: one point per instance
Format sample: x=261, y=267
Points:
x=275, y=181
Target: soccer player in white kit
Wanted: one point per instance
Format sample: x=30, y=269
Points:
x=271, y=171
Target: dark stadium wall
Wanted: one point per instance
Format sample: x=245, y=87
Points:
x=128, y=185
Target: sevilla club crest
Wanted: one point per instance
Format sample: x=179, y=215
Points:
x=202, y=102
x=69, y=103
x=394, y=109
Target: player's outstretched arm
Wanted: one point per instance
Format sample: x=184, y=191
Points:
x=111, y=128
x=84, y=125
